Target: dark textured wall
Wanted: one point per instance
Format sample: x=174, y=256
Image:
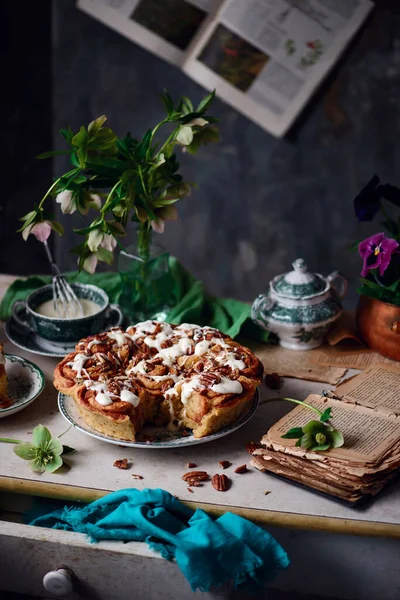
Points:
x=261, y=201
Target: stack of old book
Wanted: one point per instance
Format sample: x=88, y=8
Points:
x=366, y=410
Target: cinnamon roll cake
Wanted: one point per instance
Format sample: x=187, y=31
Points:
x=180, y=376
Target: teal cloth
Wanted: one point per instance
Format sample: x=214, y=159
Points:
x=192, y=303
x=209, y=552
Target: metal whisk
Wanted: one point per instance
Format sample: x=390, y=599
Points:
x=65, y=301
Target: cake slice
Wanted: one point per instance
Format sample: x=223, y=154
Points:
x=4, y=401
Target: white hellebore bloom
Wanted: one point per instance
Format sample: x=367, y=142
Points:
x=90, y=264
x=94, y=239
x=200, y=122
x=108, y=242
x=66, y=199
x=185, y=135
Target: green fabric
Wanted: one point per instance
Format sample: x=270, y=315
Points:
x=192, y=303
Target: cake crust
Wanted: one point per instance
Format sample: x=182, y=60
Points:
x=185, y=376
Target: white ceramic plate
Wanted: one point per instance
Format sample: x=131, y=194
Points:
x=163, y=438
x=25, y=382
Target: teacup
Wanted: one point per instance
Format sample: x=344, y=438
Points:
x=69, y=330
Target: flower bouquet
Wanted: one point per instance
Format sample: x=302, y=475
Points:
x=124, y=180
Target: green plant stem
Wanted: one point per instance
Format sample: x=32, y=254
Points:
x=143, y=242
x=301, y=403
x=107, y=202
x=66, y=431
x=153, y=133
x=10, y=441
x=51, y=188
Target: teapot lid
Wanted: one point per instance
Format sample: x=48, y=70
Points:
x=299, y=283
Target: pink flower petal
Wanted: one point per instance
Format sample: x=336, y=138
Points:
x=41, y=231
x=158, y=225
x=368, y=245
x=90, y=264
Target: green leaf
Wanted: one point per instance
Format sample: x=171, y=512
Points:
x=67, y=450
x=206, y=102
x=326, y=415
x=80, y=138
x=298, y=443
x=313, y=427
x=96, y=125
x=41, y=436
x=187, y=105
x=51, y=153
x=56, y=226
x=105, y=255
x=55, y=447
x=167, y=101
x=54, y=464
x=337, y=438
x=29, y=218
x=25, y=450
x=294, y=433
x=67, y=134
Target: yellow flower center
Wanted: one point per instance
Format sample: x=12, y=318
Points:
x=377, y=250
x=320, y=438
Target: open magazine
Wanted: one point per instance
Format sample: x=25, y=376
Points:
x=264, y=57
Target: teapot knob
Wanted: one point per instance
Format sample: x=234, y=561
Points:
x=299, y=265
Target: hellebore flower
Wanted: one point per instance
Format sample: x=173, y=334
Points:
x=40, y=230
x=44, y=453
x=67, y=201
x=376, y=252
x=90, y=264
x=315, y=436
x=165, y=213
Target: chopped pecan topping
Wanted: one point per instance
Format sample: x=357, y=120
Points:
x=273, y=381
x=221, y=483
x=199, y=366
x=224, y=464
x=135, y=476
x=241, y=469
x=190, y=490
x=198, y=475
x=194, y=482
x=191, y=465
x=122, y=463
x=208, y=379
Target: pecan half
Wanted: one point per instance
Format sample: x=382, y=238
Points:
x=191, y=465
x=241, y=469
x=273, y=381
x=122, y=463
x=209, y=379
x=224, y=464
x=197, y=475
x=221, y=483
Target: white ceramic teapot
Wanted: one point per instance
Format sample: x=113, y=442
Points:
x=300, y=306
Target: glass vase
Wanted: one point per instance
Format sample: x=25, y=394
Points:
x=147, y=286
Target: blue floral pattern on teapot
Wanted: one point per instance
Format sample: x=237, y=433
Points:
x=300, y=306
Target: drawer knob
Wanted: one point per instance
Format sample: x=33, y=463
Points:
x=59, y=583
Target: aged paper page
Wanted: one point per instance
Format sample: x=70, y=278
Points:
x=292, y=363
x=346, y=355
x=378, y=387
x=367, y=433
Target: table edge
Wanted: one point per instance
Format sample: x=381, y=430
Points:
x=263, y=517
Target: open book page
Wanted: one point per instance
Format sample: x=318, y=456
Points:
x=368, y=435
x=288, y=363
x=266, y=57
x=346, y=355
x=165, y=27
x=377, y=387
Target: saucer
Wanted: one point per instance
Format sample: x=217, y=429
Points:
x=24, y=338
x=25, y=382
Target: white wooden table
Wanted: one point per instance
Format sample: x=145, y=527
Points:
x=286, y=508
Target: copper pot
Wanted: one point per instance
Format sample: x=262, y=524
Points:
x=379, y=326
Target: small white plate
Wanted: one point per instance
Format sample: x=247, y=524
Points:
x=25, y=382
x=164, y=438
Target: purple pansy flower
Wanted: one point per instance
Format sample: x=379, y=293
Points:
x=376, y=252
